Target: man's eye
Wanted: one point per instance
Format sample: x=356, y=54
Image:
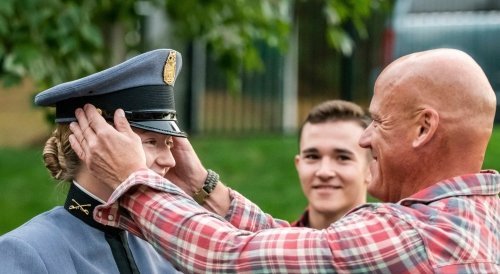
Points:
x=311, y=157
x=343, y=158
x=149, y=142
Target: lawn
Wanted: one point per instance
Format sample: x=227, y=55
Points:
x=260, y=167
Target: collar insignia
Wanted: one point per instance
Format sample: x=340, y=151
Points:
x=80, y=207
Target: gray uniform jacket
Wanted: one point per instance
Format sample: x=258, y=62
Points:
x=67, y=240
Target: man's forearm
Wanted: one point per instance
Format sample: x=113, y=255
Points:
x=197, y=241
x=239, y=211
x=219, y=200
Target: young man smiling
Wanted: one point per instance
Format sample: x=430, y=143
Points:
x=333, y=169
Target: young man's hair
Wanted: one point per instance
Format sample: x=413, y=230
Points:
x=336, y=110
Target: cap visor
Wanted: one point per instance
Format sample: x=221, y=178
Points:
x=167, y=127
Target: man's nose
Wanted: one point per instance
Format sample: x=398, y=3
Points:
x=326, y=169
x=165, y=158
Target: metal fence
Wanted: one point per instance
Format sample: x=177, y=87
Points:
x=258, y=106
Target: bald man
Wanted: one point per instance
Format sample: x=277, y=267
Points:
x=432, y=119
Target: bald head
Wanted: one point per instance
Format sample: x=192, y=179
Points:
x=452, y=85
x=447, y=80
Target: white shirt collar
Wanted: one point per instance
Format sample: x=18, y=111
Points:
x=88, y=192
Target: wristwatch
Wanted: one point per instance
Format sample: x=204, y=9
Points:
x=210, y=182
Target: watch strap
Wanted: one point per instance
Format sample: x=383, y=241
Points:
x=210, y=182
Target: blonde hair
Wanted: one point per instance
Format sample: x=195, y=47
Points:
x=59, y=158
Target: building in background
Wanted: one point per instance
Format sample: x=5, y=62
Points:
x=472, y=26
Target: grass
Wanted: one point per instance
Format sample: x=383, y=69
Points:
x=260, y=167
x=25, y=187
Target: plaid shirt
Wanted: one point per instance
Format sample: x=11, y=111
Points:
x=451, y=227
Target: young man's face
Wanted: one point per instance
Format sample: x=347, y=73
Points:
x=332, y=167
x=157, y=149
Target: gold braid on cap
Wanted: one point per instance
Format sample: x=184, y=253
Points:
x=169, y=69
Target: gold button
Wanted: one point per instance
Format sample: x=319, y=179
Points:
x=99, y=214
x=110, y=217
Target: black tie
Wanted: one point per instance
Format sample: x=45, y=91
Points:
x=121, y=252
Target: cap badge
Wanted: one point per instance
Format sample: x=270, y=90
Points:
x=169, y=69
x=79, y=207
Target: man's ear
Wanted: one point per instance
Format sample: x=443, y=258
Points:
x=427, y=123
x=296, y=161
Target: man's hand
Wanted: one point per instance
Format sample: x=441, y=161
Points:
x=188, y=173
x=110, y=154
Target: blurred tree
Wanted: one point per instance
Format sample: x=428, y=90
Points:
x=348, y=18
x=53, y=41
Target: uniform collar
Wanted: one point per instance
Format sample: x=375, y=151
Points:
x=82, y=205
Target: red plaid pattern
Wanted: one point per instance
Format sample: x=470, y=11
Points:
x=451, y=227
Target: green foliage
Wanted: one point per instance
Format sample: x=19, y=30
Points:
x=54, y=41
x=231, y=29
x=51, y=41
x=347, y=19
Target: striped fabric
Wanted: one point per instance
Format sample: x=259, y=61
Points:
x=451, y=227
